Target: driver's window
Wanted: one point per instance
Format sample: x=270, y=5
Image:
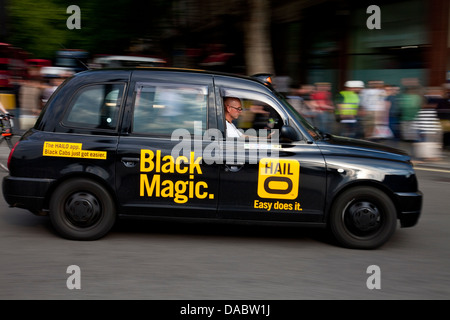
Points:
x=257, y=115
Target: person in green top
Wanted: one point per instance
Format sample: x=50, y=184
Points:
x=409, y=104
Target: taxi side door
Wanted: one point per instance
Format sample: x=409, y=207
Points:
x=276, y=180
x=160, y=169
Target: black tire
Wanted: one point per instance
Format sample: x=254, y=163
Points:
x=363, y=218
x=81, y=209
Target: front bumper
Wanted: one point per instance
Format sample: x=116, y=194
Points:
x=409, y=206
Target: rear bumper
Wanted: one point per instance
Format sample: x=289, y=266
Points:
x=409, y=208
x=26, y=193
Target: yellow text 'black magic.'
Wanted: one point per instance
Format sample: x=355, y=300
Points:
x=157, y=166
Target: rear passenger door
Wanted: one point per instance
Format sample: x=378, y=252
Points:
x=84, y=130
x=160, y=169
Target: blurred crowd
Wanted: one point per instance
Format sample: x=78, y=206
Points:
x=30, y=95
x=407, y=115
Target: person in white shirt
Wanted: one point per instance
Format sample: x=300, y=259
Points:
x=3, y=109
x=233, y=109
x=373, y=107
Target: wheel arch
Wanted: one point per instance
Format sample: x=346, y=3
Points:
x=77, y=175
x=358, y=184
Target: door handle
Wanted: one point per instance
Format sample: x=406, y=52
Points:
x=130, y=162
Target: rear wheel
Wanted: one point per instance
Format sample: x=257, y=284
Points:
x=81, y=209
x=363, y=218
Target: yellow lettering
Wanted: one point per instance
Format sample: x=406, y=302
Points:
x=158, y=161
x=195, y=164
x=147, y=164
x=168, y=167
x=178, y=164
x=180, y=189
x=191, y=188
x=155, y=186
x=167, y=191
x=198, y=194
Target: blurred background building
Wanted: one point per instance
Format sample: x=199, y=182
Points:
x=327, y=40
x=300, y=42
x=333, y=42
x=305, y=41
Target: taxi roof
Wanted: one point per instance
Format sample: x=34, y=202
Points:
x=183, y=70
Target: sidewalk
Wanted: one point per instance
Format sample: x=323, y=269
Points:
x=442, y=163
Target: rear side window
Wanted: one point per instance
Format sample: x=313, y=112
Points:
x=96, y=106
x=159, y=109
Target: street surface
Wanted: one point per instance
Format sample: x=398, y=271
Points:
x=166, y=261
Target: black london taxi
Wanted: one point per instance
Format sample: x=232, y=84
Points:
x=152, y=142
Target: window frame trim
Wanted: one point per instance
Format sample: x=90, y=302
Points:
x=71, y=125
x=177, y=84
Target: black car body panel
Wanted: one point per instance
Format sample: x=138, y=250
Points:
x=350, y=161
x=128, y=148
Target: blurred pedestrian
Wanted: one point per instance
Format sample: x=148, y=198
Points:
x=393, y=111
x=295, y=100
x=373, y=107
x=409, y=102
x=17, y=85
x=5, y=124
x=323, y=104
x=430, y=136
x=54, y=81
x=347, y=103
x=443, y=112
x=3, y=109
x=308, y=109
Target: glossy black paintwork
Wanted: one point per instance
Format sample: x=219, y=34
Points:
x=328, y=164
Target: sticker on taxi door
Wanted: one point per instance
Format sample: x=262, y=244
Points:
x=278, y=179
x=70, y=150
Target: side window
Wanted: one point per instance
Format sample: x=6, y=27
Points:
x=259, y=115
x=159, y=109
x=256, y=113
x=96, y=106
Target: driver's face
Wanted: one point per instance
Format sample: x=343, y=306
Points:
x=234, y=108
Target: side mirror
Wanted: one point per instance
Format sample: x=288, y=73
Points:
x=289, y=133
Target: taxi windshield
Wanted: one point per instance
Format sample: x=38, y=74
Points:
x=314, y=132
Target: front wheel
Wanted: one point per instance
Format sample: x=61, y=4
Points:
x=363, y=218
x=81, y=209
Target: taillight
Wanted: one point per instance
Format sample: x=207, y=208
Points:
x=11, y=153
